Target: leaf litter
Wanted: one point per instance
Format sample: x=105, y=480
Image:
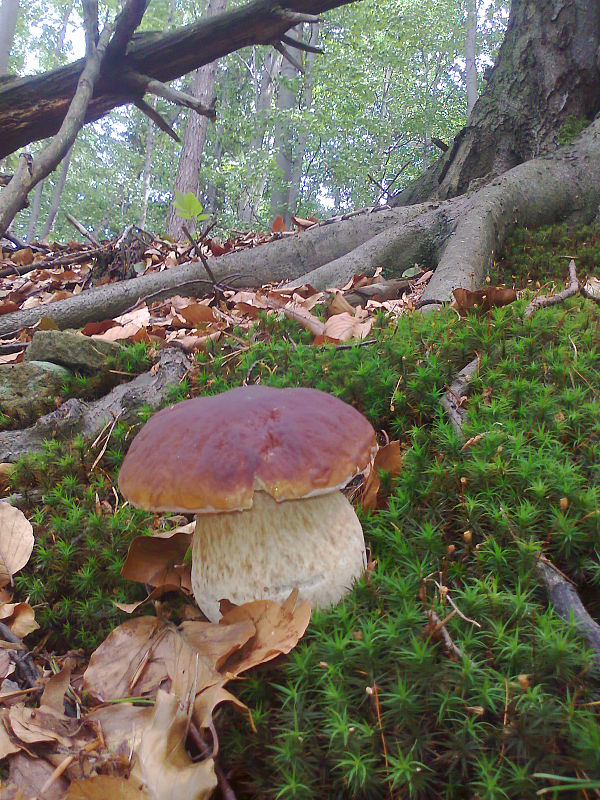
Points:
x=132, y=721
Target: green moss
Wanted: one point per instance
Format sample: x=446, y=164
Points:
x=571, y=128
x=532, y=258
x=370, y=705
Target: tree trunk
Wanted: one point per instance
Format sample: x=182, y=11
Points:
x=147, y=170
x=58, y=190
x=9, y=11
x=547, y=74
x=35, y=211
x=470, y=53
x=264, y=88
x=194, y=139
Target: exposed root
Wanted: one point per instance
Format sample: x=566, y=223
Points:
x=554, y=299
x=88, y=419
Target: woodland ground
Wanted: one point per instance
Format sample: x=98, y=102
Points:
x=372, y=703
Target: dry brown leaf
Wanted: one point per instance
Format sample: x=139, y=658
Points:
x=16, y=542
x=339, y=305
x=53, y=695
x=163, y=764
x=8, y=307
x=8, y=744
x=31, y=774
x=22, y=257
x=96, y=328
x=198, y=314
x=483, y=299
x=208, y=700
x=278, y=629
x=107, y=787
x=139, y=316
x=278, y=225
x=5, y=470
x=19, y=617
x=122, y=725
x=119, y=333
x=143, y=655
x=34, y=725
x=158, y=560
x=217, y=642
x=388, y=458
x=344, y=326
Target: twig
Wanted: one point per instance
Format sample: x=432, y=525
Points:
x=227, y=792
x=437, y=629
x=25, y=668
x=201, y=255
x=452, y=401
x=82, y=230
x=554, y=299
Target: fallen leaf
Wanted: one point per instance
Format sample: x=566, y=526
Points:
x=344, y=326
x=22, y=257
x=278, y=629
x=483, y=299
x=53, y=695
x=339, y=305
x=163, y=764
x=388, y=459
x=16, y=541
x=198, y=314
x=19, y=617
x=107, y=787
x=158, y=560
x=31, y=774
x=278, y=225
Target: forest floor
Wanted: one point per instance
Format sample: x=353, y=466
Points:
x=444, y=673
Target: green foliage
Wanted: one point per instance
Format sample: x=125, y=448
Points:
x=189, y=207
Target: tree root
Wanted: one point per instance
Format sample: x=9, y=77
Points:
x=88, y=419
x=553, y=299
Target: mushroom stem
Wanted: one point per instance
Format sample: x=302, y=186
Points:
x=315, y=544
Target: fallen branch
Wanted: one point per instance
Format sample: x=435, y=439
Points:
x=453, y=400
x=554, y=299
x=88, y=419
x=26, y=671
x=436, y=629
x=565, y=601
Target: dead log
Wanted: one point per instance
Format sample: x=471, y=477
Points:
x=33, y=108
x=88, y=419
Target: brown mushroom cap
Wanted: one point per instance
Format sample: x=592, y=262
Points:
x=210, y=454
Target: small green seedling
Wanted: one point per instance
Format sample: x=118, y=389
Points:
x=189, y=207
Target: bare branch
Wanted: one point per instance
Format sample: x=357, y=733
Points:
x=156, y=118
x=308, y=48
x=147, y=84
x=289, y=57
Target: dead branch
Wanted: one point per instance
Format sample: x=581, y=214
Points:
x=163, y=57
x=88, y=419
x=30, y=172
x=555, y=299
x=453, y=400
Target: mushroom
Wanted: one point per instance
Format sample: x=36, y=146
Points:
x=262, y=469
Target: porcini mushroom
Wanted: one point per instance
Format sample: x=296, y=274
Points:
x=262, y=469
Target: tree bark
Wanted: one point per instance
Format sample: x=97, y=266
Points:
x=264, y=80
x=33, y=108
x=58, y=190
x=9, y=11
x=547, y=73
x=147, y=175
x=194, y=138
x=470, y=52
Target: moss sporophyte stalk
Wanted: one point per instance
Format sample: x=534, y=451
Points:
x=371, y=704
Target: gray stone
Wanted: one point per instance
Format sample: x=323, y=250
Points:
x=29, y=389
x=71, y=349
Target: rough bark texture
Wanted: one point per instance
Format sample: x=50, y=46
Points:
x=194, y=138
x=88, y=419
x=33, y=108
x=547, y=73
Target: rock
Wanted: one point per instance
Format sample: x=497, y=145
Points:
x=29, y=389
x=71, y=349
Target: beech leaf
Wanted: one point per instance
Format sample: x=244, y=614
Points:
x=16, y=542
